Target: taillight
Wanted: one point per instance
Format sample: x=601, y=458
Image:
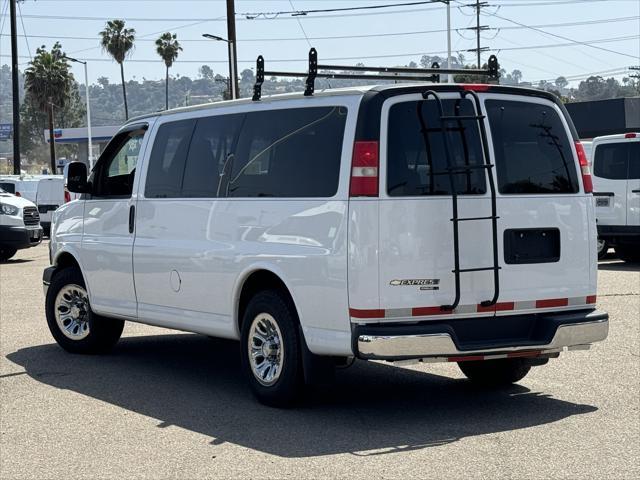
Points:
x=67, y=196
x=18, y=194
x=584, y=168
x=364, y=170
x=630, y=135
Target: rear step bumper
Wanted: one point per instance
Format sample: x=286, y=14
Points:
x=529, y=335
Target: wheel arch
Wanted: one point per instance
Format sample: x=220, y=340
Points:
x=254, y=280
x=64, y=259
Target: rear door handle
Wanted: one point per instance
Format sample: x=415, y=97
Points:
x=132, y=217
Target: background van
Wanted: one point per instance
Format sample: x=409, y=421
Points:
x=616, y=177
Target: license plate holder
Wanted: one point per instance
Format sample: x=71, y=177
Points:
x=603, y=201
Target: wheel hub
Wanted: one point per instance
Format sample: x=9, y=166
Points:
x=265, y=349
x=70, y=308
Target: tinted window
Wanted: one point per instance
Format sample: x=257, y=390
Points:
x=211, y=146
x=617, y=161
x=116, y=168
x=533, y=152
x=288, y=153
x=8, y=187
x=166, y=164
x=416, y=156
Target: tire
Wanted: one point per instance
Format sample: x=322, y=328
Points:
x=629, y=253
x=603, y=248
x=6, y=253
x=495, y=373
x=82, y=331
x=274, y=371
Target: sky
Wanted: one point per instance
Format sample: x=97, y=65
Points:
x=615, y=24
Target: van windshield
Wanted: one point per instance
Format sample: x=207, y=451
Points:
x=617, y=161
x=416, y=155
x=533, y=152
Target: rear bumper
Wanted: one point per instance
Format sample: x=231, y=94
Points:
x=20, y=237
x=476, y=338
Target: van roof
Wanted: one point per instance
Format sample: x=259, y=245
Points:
x=358, y=90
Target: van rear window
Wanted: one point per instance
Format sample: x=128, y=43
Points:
x=416, y=158
x=617, y=161
x=533, y=152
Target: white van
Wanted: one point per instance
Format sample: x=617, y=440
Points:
x=450, y=223
x=616, y=180
x=25, y=186
x=19, y=225
x=50, y=195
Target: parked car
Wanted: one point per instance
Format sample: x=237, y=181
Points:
x=445, y=223
x=19, y=225
x=616, y=178
x=50, y=195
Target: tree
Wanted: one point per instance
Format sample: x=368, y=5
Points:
x=168, y=47
x=48, y=82
x=561, y=83
x=118, y=42
x=206, y=72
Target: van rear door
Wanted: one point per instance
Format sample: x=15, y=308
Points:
x=610, y=176
x=545, y=231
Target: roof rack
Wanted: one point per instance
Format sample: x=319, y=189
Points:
x=387, y=73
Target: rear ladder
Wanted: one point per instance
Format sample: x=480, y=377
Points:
x=451, y=170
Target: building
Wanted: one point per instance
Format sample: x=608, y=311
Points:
x=605, y=117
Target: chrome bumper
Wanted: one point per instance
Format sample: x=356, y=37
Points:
x=378, y=347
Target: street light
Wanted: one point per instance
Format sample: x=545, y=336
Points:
x=233, y=77
x=86, y=86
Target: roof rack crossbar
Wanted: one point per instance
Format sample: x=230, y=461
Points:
x=392, y=73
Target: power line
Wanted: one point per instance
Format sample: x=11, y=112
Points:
x=26, y=37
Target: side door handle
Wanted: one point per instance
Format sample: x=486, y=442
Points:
x=636, y=191
x=132, y=218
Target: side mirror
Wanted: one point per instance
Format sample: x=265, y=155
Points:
x=75, y=178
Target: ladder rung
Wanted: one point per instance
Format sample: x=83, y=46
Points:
x=462, y=117
x=474, y=218
x=482, y=269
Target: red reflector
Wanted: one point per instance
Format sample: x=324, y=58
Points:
x=591, y=299
x=364, y=170
x=67, y=196
x=630, y=135
x=584, y=167
x=18, y=194
x=476, y=87
x=356, y=313
x=552, y=302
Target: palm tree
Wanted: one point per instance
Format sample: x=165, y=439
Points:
x=118, y=42
x=168, y=48
x=48, y=83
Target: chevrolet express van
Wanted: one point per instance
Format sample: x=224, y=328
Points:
x=437, y=223
x=616, y=180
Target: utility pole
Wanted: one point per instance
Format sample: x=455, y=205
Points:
x=449, y=76
x=478, y=29
x=231, y=36
x=15, y=89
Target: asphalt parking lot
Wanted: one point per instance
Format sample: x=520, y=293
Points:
x=166, y=404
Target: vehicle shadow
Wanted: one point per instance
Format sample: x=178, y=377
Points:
x=195, y=383
x=619, y=266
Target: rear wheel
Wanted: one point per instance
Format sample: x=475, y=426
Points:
x=629, y=253
x=270, y=349
x=495, y=372
x=603, y=248
x=6, y=253
x=72, y=322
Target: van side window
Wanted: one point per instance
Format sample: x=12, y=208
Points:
x=211, y=151
x=288, y=153
x=617, y=161
x=416, y=156
x=116, y=169
x=533, y=152
x=167, y=160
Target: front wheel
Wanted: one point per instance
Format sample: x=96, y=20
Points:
x=6, y=253
x=603, y=248
x=270, y=348
x=495, y=373
x=72, y=322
